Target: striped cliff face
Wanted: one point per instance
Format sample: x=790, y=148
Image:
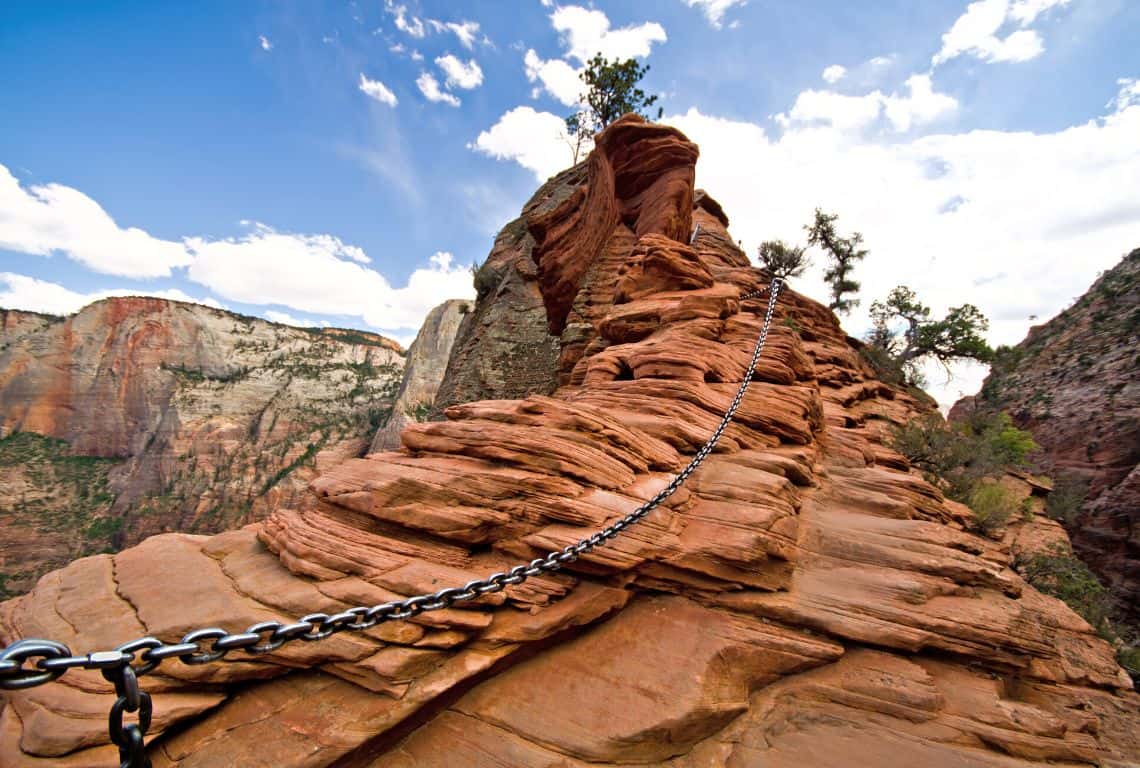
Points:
x=138, y=416
x=1074, y=382
x=803, y=599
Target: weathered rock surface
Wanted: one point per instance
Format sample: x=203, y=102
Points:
x=173, y=417
x=803, y=600
x=424, y=368
x=1075, y=384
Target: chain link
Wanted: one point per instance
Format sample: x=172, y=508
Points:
x=126, y=663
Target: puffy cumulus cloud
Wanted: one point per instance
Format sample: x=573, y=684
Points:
x=537, y=141
x=429, y=87
x=921, y=104
x=558, y=78
x=320, y=274
x=978, y=31
x=35, y=295
x=377, y=91
x=458, y=74
x=53, y=218
x=263, y=41
x=987, y=217
x=834, y=73
x=714, y=10
x=585, y=32
x=284, y=318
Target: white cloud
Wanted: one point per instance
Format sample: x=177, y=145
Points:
x=263, y=41
x=537, y=141
x=1026, y=11
x=309, y=273
x=465, y=31
x=585, y=32
x=714, y=10
x=378, y=91
x=407, y=24
x=460, y=75
x=53, y=218
x=834, y=73
x=977, y=31
x=429, y=87
x=921, y=105
x=34, y=295
x=1128, y=94
x=558, y=78
x=284, y=318
x=322, y=275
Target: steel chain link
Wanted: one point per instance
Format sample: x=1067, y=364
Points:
x=130, y=661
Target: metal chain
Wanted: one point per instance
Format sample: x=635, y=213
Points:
x=130, y=661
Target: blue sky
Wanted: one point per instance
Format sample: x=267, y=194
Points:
x=344, y=163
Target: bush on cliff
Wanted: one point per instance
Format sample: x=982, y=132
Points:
x=904, y=334
x=993, y=506
x=783, y=260
x=957, y=457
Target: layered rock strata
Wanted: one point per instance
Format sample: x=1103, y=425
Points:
x=424, y=368
x=803, y=600
x=1074, y=382
x=172, y=417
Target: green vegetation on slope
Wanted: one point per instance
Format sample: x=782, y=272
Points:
x=64, y=497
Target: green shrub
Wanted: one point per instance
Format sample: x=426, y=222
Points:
x=1128, y=656
x=420, y=411
x=1066, y=499
x=1060, y=574
x=992, y=505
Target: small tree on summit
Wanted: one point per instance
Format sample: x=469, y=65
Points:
x=783, y=260
x=844, y=253
x=611, y=91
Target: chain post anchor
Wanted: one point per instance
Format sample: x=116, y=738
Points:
x=129, y=737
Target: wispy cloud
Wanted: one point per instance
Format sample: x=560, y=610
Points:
x=429, y=87
x=714, y=10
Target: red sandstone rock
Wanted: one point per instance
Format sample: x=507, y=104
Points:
x=208, y=420
x=1073, y=382
x=803, y=600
